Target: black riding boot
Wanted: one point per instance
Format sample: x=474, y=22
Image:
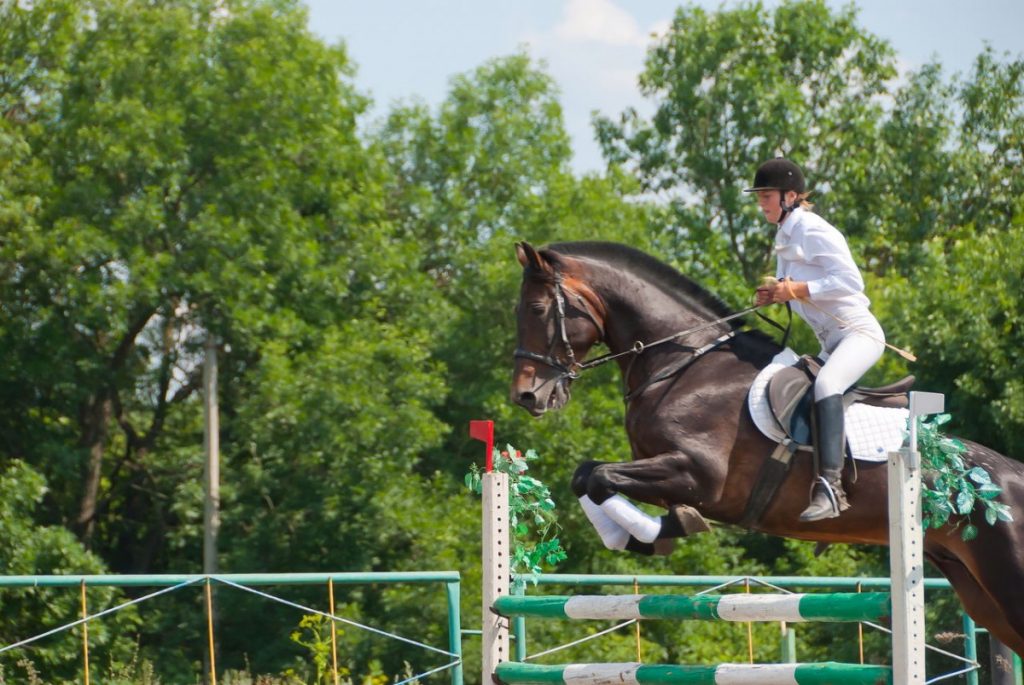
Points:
x=827, y=495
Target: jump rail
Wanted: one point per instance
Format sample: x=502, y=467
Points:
x=828, y=673
x=834, y=607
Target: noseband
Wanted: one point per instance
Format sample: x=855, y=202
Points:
x=569, y=369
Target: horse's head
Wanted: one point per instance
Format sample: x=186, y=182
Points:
x=558, y=319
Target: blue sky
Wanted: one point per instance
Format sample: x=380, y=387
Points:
x=594, y=49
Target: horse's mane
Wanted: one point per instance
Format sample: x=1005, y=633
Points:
x=630, y=259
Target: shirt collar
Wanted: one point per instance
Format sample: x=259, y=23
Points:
x=786, y=227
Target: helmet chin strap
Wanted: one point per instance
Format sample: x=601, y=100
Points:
x=786, y=209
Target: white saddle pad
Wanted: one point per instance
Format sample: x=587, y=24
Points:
x=873, y=432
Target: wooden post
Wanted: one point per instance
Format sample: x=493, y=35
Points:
x=85, y=633
x=334, y=631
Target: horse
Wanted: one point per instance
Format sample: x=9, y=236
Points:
x=694, y=445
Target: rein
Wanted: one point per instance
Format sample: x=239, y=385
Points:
x=572, y=368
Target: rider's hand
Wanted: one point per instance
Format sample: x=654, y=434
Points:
x=787, y=289
x=773, y=291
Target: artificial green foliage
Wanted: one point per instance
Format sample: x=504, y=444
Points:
x=532, y=520
x=954, y=487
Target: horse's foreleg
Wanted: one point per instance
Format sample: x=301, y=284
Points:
x=612, y=534
x=619, y=522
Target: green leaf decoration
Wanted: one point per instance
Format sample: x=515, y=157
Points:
x=952, y=486
x=989, y=491
x=532, y=517
x=965, y=502
x=991, y=517
x=979, y=475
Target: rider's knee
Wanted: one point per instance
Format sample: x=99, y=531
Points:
x=828, y=384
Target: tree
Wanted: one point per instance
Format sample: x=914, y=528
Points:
x=731, y=88
x=185, y=170
x=33, y=549
x=962, y=308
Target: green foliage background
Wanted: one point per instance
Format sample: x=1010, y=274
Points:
x=188, y=170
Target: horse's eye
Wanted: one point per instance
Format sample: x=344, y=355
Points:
x=538, y=308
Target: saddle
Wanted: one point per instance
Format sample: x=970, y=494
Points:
x=791, y=401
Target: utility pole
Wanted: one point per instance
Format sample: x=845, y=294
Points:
x=211, y=445
x=211, y=500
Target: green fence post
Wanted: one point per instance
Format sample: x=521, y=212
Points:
x=519, y=625
x=970, y=648
x=453, y=593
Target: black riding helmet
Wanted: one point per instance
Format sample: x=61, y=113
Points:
x=778, y=174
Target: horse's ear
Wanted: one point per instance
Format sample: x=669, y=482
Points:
x=529, y=257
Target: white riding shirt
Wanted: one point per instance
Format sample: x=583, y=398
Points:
x=812, y=250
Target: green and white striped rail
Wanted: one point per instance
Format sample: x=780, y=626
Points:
x=828, y=673
x=834, y=607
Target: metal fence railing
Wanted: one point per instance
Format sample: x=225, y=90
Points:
x=249, y=582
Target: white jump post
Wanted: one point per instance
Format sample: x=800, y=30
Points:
x=906, y=549
x=495, y=554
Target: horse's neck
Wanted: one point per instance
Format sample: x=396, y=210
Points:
x=639, y=311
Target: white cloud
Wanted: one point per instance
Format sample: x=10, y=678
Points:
x=595, y=52
x=599, y=21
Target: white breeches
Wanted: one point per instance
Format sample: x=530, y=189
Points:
x=849, y=353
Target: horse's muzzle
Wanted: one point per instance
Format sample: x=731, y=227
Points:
x=528, y=401
x=538, y=399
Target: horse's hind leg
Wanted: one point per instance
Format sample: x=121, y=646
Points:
x=979, y=605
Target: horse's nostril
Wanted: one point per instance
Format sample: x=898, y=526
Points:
x=527, y=399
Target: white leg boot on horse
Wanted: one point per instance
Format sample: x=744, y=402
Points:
x=621, y=525
x=828, y=499
x=643, y=527
x=611, y=533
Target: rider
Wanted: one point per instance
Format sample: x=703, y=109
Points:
x=815, y=271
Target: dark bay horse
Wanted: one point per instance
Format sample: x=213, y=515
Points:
x=694, y=443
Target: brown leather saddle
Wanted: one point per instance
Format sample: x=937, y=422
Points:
x=791, y=402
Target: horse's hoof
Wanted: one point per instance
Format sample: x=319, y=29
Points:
x=681, y=521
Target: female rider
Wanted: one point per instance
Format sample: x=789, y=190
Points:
x=816, y=272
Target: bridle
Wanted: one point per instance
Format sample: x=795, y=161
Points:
x=571, y=369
